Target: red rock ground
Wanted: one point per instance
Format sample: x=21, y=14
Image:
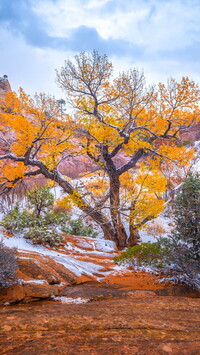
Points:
x=126, y=313
x=134, y=323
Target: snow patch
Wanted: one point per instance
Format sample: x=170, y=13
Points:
x=38, y=282
x=76, y=266
x=165, y=222
x=69, y=300
x=102, y=252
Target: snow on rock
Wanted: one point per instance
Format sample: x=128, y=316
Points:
x=70, y=300
x=76, y=266
x=39, y=282
x=98, y=245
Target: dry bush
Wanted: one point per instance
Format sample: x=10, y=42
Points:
x=8, y=265
x=155, y=229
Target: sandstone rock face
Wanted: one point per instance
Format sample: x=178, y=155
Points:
x=74, y=167
x=41, y=276
x=27, y=292
x=38, y=277
x=191, y=134
x=39, y=267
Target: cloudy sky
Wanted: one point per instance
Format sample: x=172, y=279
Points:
x=161, y=37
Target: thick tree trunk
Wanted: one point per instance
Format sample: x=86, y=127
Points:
x=120, y=232
x=134, y=237
x=114, y=229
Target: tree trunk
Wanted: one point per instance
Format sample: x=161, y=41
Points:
x=134, y=237
x=114, y=230
x=120, y=232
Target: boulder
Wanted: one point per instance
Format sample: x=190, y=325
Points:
x=27, y=292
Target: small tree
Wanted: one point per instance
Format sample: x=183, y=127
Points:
x=184, y=241
x=41, y=200
x=7, y=265
x=178, y=255
x=187, y=214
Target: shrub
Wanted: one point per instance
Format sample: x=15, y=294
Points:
x=144, y=254
x=55, y=219
x=77, y=228
x=8, y=265
x=42, y=235
x=40, y=224
x=16, y=220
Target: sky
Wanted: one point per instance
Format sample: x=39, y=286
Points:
x=160, y=37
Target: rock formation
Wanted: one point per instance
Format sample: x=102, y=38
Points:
x=4, y=86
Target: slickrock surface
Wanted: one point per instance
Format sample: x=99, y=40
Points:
x=108, y=312
x=137, y=322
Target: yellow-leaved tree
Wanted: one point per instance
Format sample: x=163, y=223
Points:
x=111, y=118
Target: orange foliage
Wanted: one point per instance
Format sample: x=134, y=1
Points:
x=111, y=116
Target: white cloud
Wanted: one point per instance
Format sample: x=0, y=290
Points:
x=28, y=67
x=154, y=24
x=159, y=36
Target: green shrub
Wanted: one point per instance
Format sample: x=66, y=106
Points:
x=184, y=242
x=41, y=200
x=184, y=143
x=16, y=220
x=144, y=254
x=77, y=228
x=42, y=235
x=55, y=219
x=8, y=265
x=40, y=224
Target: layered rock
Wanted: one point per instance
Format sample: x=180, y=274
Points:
x=38, y=277
x=41, y=276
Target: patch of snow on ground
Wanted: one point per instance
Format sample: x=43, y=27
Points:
x=165, y=222
x=85, y=245
x=71, y=300
x=76, y=266
x=100, y=244
x=99, y=247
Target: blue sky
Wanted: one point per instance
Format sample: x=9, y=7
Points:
x=161, y=37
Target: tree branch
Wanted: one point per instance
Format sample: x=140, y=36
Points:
x=137, y=156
